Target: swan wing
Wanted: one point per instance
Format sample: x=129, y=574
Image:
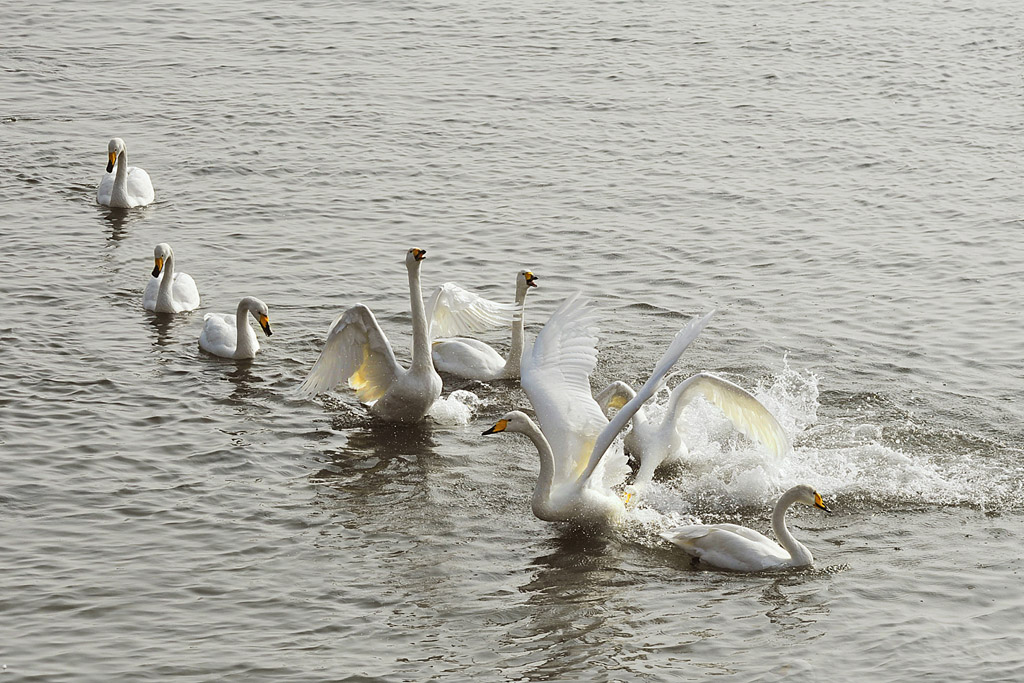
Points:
x=149, y=295
x=105, y=189
x=453, y=310
x=140, y=187
x=728, y=546
x=556, y=377
x=184, y=292
x=747, y=414
x=357, y=351
x=219, y=333
x=469, y=358
x=611, y=429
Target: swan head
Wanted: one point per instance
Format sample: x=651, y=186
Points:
x=516, y=421
x=808, y=496
x=259, y=310
x=414, y=256
x=114, y=149
x=161, y=253
x=527, y=278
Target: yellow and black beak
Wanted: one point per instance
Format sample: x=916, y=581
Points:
x=265, y=324
x=499, y=426
x=819, y=503
x=111, y=160
x=531, y=279
x=158, y=267
x=419, y=254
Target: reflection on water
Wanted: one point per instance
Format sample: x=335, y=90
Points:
x=118, y=220
x=378, y=457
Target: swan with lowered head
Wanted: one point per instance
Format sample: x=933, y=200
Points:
x=730, y=546
x=169, y=291
x=472, y=358
x=654, y=443
x=357, y=352
x=230, y=336
x=577, y=477
x=128, y=186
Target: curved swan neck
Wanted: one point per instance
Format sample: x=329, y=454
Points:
x=542, y=491
x=245, y=338
x=796, y=549
x=420, y=335
x=164, y=294
x=120, y=188
x=515, y=351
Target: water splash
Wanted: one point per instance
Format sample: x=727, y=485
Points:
x=457, y=408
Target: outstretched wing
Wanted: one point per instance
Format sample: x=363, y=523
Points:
x=746, y=413
x=454, y=311
x=556, y=377
x=356, y=350
x=679, y=344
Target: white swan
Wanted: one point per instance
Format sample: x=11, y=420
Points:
x=655, y=444
x=473, y=359
x=127, y=187
x=358, y=352
x=577, y=478
x=730, y=546
x=230, y=335
x=168, y=291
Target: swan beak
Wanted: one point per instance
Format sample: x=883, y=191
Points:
x=531, y=279
x=111, y=161
x=419, y=254
x=158, y=267
x=265, y=324
x=819, y=503
x=499, y=426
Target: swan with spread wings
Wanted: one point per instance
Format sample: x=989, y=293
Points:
x=578, y=476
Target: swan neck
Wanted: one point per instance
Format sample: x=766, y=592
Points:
x=796, y=549
x=244, y=335
x=120, y=188
x=515, y=351
x=542, y=491
x=420, y=335
x=166, y=281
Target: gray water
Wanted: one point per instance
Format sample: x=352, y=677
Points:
x=840, y=180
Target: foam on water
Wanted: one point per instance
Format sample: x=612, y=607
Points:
x=457, y=408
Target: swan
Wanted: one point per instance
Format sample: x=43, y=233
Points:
x=168, y=291
x=473, y=359
x=730, y=546
x=230, y=335
x=357, y=351
x=656, y=443
x=577, y=478
x=129, y=186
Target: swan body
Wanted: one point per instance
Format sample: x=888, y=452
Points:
x=577, y=476
x=127, y=186
x=473, y=359
x=730, y=546
x=657, y=443
x=358, y=352
x=169, y=291
x=230, y=336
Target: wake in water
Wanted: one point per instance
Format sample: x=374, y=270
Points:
x=846, y=458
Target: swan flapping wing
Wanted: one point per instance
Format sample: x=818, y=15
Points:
x=556, y=377
x=746, y=413
x=679, y=344
x=356, y=350
x=454, y=311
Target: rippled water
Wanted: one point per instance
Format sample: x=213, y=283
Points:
x=842, y=181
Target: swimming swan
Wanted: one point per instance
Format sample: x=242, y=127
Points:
x=168, y=291
x=730, y=546
x=655, y=444
x=129, y=186
x=473, y=359
x=577, y=478
x=230, y=335
x=357, y=351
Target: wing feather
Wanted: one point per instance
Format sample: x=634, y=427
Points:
x=357, y=351
x=454, y=311
x=556, y=377
x=747, y=414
